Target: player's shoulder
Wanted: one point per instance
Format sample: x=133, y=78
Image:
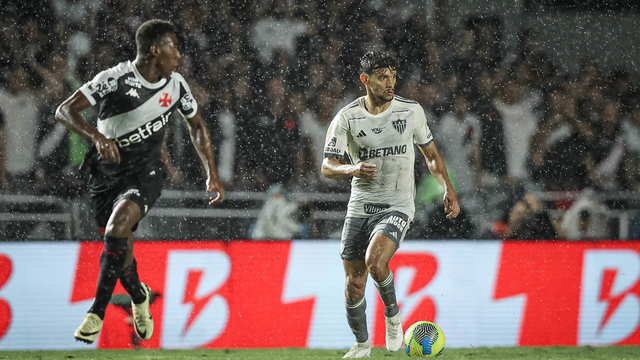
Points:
x=403, y=103
x=349, y=109
x=179, y=78
x=115, y=72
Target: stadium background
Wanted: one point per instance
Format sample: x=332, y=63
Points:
x=269, y=76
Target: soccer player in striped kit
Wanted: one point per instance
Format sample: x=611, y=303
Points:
x=136, y=100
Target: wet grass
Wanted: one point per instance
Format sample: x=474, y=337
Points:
x=546, y=353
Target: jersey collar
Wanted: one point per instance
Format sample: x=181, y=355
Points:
x=144, y=81
x=382, y=114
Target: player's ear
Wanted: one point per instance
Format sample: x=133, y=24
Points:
x=154, y=50
x=364, y=78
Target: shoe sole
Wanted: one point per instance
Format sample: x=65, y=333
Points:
x=86, y=341
x=367, y=355
x=86, y=338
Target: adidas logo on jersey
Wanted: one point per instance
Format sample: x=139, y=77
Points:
x=361, y=134
x=394, y=234
x=133, y=93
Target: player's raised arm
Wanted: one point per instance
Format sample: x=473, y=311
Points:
x=439, y=171
x=332, y=168
x=68, y=114
x=202, y=142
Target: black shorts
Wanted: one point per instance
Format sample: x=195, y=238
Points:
x=144, y=190
x=358, y=232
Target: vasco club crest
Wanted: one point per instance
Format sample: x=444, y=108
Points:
x=400, y=125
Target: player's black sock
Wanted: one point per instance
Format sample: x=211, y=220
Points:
x=130, y=282
x=111, y=262
x=387, y=292
x=357, y=318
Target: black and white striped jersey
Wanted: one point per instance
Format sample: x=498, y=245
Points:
x=134, y=113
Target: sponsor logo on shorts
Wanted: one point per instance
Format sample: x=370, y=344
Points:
x=375, y=208
x=397, y=221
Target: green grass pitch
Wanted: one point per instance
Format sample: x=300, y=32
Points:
x=545, y=353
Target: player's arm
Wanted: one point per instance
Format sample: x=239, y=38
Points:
x=202, y=142
x=174, y=174
x=332, y=168
x=439, y=171
x=68, y=114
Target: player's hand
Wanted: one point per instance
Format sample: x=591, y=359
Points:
x=365, y=170
x=215, y=185
x=451, y=206
x=108, y=150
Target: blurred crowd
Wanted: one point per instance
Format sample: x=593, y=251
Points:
x=270, y=75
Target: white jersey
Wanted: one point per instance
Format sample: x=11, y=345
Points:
x=386, y=140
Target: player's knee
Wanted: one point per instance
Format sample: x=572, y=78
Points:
x=354, y=293
x=119, y=226
x=123, y=219
x=115, y=252
x=115, y=230
x=375, y=265
x=377, y=268
x=355, y=287
x=115, y=244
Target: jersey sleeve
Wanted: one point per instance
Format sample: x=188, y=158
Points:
x=100, y=87
x=188, y=106
x=422, y=135
x=336, y=140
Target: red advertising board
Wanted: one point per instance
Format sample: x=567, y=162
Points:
x=247, y=294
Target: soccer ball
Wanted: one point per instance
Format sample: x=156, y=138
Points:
x=424, y=339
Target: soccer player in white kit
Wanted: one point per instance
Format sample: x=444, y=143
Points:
x=372, y=140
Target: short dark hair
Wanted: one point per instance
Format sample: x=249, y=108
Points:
x=373, y=60
x=150, y=32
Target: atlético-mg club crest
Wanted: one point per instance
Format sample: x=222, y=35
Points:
x=400, y=125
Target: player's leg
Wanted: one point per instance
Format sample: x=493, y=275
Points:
x=140, y=295
x=356, y=306
x=355, y=302
x=129, y=275
x=352, y=250
x=386, y=237
x=116, y=242
x=379, y=254
x=143, y=192
x=112, y=260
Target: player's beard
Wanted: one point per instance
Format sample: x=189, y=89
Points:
x=384, y=99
